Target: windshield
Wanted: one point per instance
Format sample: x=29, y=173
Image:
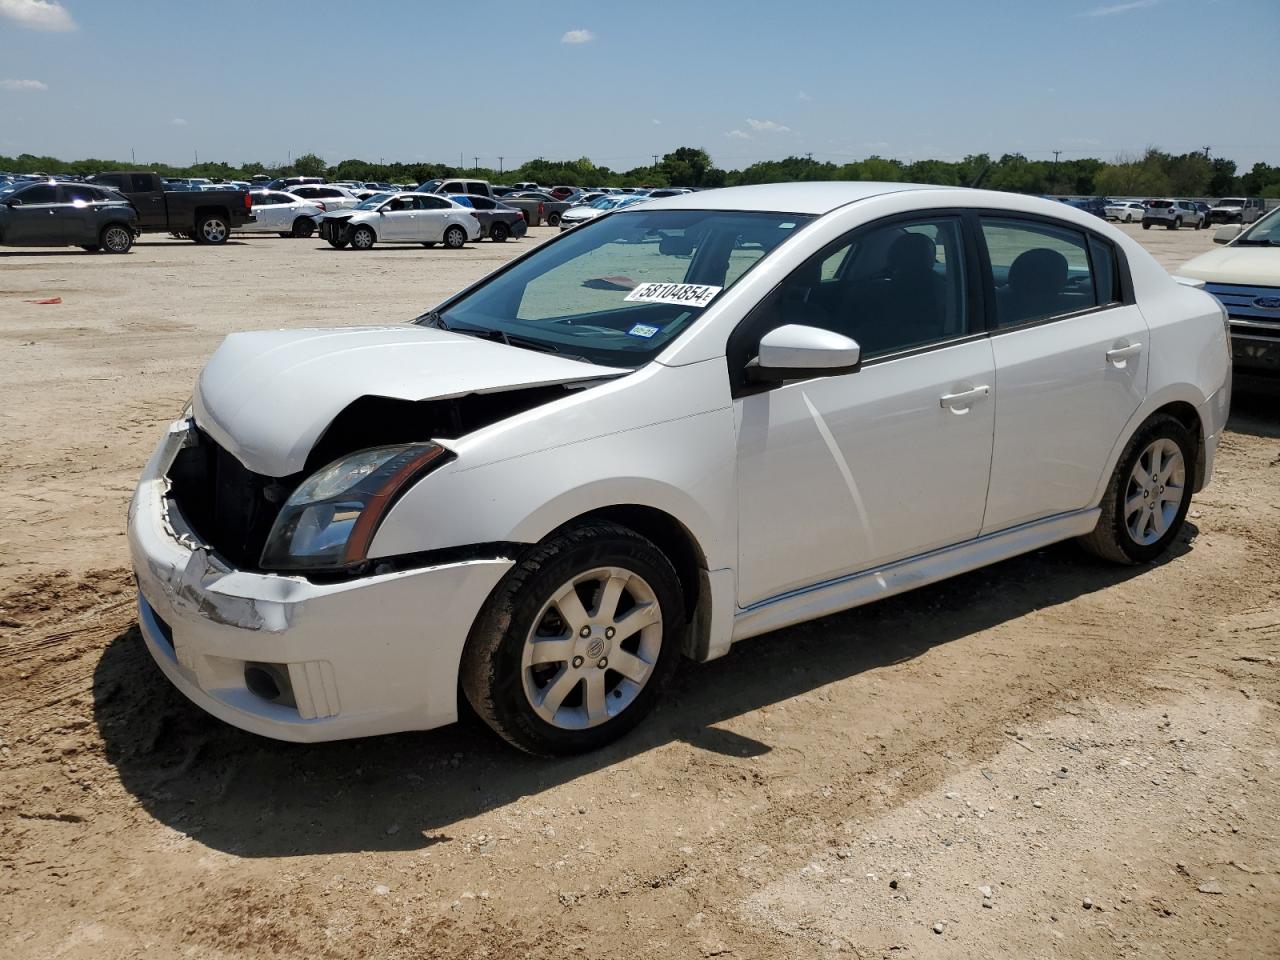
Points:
x=1229, y=202
x=1264, y=233
x=618, y=289
x=429, y=187
x=8, y=188
x=374, y=202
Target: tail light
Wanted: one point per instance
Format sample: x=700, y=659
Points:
x=322, y=207
x=474, y=214
x=542, y=208
x=248, y=201
x=522, y=216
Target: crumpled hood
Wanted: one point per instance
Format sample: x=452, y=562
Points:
x=1252, y=266
x=267, y=397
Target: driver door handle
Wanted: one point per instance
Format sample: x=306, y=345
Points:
x=964, y=398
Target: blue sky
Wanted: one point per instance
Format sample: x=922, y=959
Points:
x=747, y=80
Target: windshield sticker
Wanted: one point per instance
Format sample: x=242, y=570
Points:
x=643, y=330
x=683, y=294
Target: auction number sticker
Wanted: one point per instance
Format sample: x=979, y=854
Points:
x=683, y=294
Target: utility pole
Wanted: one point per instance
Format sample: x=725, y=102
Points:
x=477, y=164
x=1206, y=153
x=655, y=159
x=133, y=156
x=197, y=155
x=500, y=166
x=1055, y=168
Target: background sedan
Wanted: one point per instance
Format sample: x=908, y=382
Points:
x=284, y=213
x=497, y=220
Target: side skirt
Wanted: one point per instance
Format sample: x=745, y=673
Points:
x=832, y=596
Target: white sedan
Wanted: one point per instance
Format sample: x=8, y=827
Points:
x=424, y=218
x=656, y=435
x=275, y=211
x=1126, y=210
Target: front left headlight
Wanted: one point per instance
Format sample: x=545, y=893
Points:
x=330, y=520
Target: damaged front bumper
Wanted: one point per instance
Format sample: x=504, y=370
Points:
x=291, y=659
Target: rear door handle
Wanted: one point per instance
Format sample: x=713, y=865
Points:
x=1119, y=355
x=964, y=398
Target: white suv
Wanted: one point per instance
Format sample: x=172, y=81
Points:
x=1172, y=214
x=677, y=426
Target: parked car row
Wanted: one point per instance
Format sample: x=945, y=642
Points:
x=1174, y=214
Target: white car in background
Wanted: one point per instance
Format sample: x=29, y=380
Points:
x=581, y=213
x=425, y=218
x=1245, y=276
x=284, y=213
x=328, y=196
x=673, y=428
x=1125, y=210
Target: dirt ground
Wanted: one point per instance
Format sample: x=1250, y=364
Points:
x=1098, y=749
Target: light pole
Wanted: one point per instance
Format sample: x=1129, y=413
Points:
x=1055, y=168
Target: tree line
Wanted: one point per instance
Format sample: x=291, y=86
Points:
x=1151, y=173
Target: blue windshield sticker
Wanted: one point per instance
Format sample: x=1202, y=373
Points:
x=643, y=330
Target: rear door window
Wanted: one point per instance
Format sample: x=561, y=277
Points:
x=1038, y=270
x=42, y=193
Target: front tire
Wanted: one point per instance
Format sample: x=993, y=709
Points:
x=577, y=641
x=1145, y=225
x=212, y=229
x=115, y=238
x=455, y=237
x=362, y=238
x=428, y=244
x=1147, y=498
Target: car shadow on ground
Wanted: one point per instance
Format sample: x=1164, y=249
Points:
x=255, y=797
x=1255, y=406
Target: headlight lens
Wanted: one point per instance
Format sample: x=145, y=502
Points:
x=330, y=520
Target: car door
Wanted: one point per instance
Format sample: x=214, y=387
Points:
x=77, y=213
x=31, y=218
x=846, y=473
x=398, y=219
x=1071, y=350
x=433, y=218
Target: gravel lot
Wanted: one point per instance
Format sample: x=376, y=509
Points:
x=1095, y=748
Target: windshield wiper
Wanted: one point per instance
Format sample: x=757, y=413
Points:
x=432, y=318
x=1249, y=242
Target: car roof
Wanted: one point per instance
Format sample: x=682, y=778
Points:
x=809, y=197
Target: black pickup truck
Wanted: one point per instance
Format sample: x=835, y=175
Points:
x=205, y=216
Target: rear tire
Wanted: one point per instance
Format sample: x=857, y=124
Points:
x=553, y=220
x=556, y=592
x=90, y=247
x=499, y=232
x=363, y=238
x=1145, y=225
x=1176, y=225
x=455, y=237
x=1140, y=518
x=1129, y=218
x=212, y=229
x=303, y=228
x=115, y=238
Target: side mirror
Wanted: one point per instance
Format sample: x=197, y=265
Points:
x=796, y=352
x=1227, y=234
x=14, y=202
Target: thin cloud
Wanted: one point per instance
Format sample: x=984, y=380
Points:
x=178, y=122
x=38, y=15
x=738, y=135
x=1113, y=9
x=767, y=126
x=656, y=122
x=578, y=36
x=801, y=95
x=23, y=86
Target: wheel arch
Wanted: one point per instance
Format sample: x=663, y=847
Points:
x=1182, y=402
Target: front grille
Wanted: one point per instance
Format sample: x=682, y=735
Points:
x=227, y=506
x=1245, y=306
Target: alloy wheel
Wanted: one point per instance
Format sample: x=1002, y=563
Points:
x=116, y=239
x=592, y=648
x=1154, y=492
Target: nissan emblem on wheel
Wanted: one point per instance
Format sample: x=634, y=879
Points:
x=678, y=425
